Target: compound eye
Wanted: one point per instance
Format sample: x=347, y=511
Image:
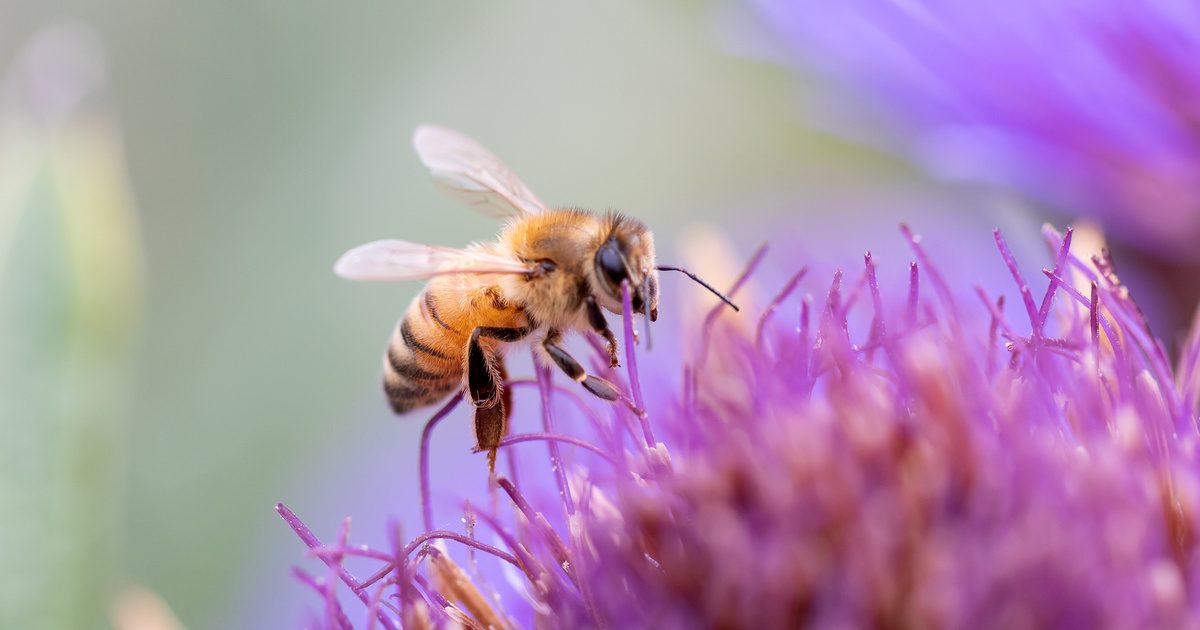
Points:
x=608, y=259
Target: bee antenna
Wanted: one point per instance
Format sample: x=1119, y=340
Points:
x=701, y=283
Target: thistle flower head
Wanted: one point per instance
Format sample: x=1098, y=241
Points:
x=927, y=456
x=1089, y=107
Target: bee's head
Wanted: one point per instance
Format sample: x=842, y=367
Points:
x=627, y=254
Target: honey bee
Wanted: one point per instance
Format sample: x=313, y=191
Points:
x=550, y=271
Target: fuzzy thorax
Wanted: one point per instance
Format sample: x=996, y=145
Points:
x=566, y=243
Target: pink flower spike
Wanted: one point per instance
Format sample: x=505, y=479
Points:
x=1060, y=265
x=311, y=541
x=322, y=588
x=783, y=294
x=426, y=435
x=545, y=390
x=1023, y=287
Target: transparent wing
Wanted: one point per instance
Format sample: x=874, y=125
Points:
x=393, y=260
x=473, y=174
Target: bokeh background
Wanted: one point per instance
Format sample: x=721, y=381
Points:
x=177, y=178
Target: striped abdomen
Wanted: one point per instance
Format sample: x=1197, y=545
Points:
x=424, y=360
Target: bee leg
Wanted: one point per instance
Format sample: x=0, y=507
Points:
x=600, y=325
x=484, y=380
x=573, y=369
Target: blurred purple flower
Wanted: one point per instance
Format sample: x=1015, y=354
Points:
x=910, y=460
x=1089, y=106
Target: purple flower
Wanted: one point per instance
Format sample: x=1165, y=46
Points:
x=922, y=457
x=1091, y=107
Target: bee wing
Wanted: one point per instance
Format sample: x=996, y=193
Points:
x=393, y=260
x=473, y=174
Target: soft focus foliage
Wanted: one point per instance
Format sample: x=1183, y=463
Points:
x=918, y=458
x=70, y=286
x=1090, y=107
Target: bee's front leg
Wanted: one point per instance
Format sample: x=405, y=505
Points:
x=600, y=324
x=573, y=369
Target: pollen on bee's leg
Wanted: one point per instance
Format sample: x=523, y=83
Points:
x=489, y=426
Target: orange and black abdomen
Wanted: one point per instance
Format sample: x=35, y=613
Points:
x=424, y=360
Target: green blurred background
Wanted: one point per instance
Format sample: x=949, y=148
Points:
x=177, y=355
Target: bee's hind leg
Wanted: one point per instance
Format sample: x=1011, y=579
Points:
x=599, y=324
x=573, y=369
x=484, y=378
